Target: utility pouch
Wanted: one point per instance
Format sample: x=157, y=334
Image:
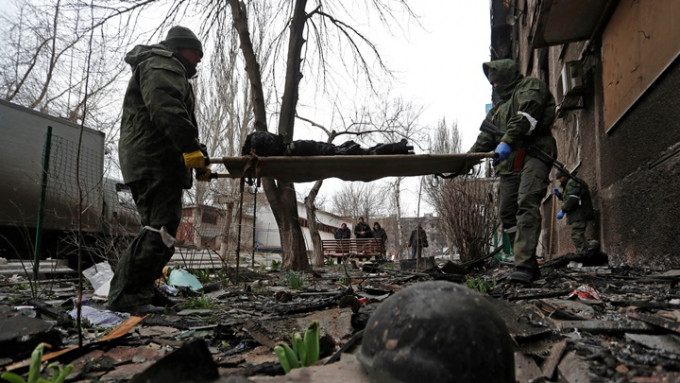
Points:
x=519, y=159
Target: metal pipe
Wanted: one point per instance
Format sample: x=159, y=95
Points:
x=41, y=208
x=252, y=258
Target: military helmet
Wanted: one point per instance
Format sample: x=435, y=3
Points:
x=437, y=331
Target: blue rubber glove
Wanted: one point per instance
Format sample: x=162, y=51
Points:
x=503, y=150
x=560, y=214
x=556, y=192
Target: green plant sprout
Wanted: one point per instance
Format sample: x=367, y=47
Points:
x=58, y=374
x=305, y=351
x=294, y=280
x=275, y=265
x=201, y=302
x=203, y=276
x=479, y=285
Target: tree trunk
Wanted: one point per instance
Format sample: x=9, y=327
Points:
x=196, y=232
x=281, y=195
x=282, y=200
x=224, y=237
x=240, y=17
x=317, y=257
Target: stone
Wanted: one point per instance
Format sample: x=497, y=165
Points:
x=347, y=369
x=19, y=335
x=190, y=363
x=337, y=323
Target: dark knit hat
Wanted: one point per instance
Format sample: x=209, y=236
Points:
x=559, y=174
x=183, y=38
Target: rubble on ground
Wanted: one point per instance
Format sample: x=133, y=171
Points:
x=581, y=322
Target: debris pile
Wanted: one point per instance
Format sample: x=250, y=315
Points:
x=582, y=322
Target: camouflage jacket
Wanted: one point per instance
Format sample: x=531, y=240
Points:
x=576, y=202
x=525, y=112
x=158, y=122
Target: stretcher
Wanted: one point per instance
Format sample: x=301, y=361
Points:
x=348, y=168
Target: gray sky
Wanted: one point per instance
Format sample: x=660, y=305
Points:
x=438, y=66
x=441, y=63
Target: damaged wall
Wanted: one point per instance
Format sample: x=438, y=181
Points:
x=640, y=161
x=632, y=168
x=576, y=132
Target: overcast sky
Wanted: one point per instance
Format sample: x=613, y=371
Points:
x=439, y=66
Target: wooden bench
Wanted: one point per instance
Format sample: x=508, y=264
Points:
x=353, y=248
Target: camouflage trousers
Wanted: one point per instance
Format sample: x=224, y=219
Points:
x=520, y=195
x=578, y=234
x=159, y=203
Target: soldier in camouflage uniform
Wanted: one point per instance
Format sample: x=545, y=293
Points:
x=158, y=147
x=524, y=109
x=578, y=206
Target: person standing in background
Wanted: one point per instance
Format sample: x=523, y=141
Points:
x=577, y=205
x=343, y=232
x=417, y=242
x=379, y=232
x=362, y=230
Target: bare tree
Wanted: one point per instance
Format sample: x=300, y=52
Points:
x=390, y=121
x=316, y=24
x=402, y=118
x=307, y=41
x=446, y=139
x=50, y=58
x=359, y=199
x=224, y=113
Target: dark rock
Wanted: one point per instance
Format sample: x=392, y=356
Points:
x=19, y=335
x=190, y=363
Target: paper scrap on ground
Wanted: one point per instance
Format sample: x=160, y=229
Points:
x=99, y=318
x=100, y=276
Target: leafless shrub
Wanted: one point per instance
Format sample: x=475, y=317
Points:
x=465, y=205
x=468, y=214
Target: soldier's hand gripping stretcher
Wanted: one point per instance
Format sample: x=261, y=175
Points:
x=200, y=161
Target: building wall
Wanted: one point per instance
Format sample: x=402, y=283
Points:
x=267, y=231
x=577, y=133
x=640, y=162
x=204, y=227
x=632, y=169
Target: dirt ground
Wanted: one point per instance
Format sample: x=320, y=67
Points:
x=581, y=322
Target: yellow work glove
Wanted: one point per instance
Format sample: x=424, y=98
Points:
x=203, y=174
x=194, y=159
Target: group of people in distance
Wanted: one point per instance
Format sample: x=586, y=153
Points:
x=361, y=230
x=416, y=242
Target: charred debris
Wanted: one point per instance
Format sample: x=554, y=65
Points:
x=581, y=322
